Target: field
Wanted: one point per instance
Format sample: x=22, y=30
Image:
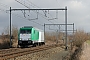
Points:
x=88, y=41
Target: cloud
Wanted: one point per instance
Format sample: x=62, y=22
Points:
x=78, y=12
x=76, y=4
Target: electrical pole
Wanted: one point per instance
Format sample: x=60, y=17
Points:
x=10, y=29
x=66, y=47
x=57, y=36
x=44, y=32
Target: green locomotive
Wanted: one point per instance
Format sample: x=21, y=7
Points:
x=29, y=35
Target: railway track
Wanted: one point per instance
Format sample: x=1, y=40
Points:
x=19, y=52
x=3, y=51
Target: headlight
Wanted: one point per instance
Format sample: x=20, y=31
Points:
x=20, y=38
x=29, y=39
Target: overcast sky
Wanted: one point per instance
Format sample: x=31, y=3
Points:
x=78, y=13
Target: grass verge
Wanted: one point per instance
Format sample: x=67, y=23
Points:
x=88, y=41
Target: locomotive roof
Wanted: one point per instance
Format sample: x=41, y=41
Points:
x=32, y=27
x=28, y=26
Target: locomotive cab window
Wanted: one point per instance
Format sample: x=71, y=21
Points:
x=28, y=31
x=25, y=31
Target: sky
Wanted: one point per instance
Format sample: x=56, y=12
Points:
x=77, y=13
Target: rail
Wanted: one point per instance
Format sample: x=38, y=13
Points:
x=21, y=52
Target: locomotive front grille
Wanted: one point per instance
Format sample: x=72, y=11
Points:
x=25, y=42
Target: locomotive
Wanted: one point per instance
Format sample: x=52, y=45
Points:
x=29, y=35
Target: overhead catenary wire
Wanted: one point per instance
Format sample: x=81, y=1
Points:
x=34, y=5
x=3, y=7
x=42, y=10
x=5, y=10
x=45, y=16
x=51, y=15
x=16, y=15
x=24, y=13
x=6, y=6
x=23, y=3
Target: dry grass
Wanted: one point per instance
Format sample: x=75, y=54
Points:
x=88, y=41
x=1, y=41
x=52, y=36
x=5, y=38
x=49, y=37
x=4, y=44
x=79, y=38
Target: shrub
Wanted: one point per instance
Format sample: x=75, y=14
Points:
x=79, y=38
x=6, y=37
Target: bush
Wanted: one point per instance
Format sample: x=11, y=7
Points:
x=50, y=37
x=6, y=37
x=5, y=44
x=79, y=38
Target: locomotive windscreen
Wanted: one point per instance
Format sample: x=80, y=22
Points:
x=25, y=31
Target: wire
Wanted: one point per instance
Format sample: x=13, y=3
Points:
x=33, y=6
x=17, y=14
x=45, y=13
x=5, y=6
x=29, y=15
x=55, y=17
